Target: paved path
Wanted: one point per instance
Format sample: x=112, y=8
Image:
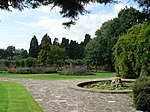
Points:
x=57, y=96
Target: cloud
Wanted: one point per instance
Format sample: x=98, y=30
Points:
x=88, y=23
x=40, y=21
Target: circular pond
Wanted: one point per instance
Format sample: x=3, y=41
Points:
x=104, y=86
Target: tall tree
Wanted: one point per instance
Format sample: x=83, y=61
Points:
x=91, y=53
x=87, y=39
x=45, y=55
x=82, y=45
x=65, y=44
x=56, y=41
x=45, y=42
x=34, y=47
x=73, y=50
x=109, y=32
x=2, y=52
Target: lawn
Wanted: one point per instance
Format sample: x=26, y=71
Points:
x=57, y=76
x=15, y=98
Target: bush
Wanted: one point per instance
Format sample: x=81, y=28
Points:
x=75, y=70
x=30, y=62
x=24, y=71
x=132, y=52
x=36, y=70
x=141, y=94
x=11, y=70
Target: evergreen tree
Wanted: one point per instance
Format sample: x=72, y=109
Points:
x=73, y=50
x=45, y=55
x=87, y=39
x=56, y=41
x=34, y=47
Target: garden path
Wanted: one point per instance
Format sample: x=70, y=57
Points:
x=57, y=96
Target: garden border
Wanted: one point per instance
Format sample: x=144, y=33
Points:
x=77, y=86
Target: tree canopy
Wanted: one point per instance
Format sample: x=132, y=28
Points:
x=132, y=52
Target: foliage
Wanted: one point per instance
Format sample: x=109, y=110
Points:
x=44, y=56
x=34, y=47
x=30, y=62
x=108, y=34
x=9, y=52
x=91, y=53
x=141, y=94
x=34, y=70
x=14, y=97
x=75, y=70
x=73, y=50
x=145, y=4
x=132, y=52
x=24, y=71
x=11, y=70
x=58, y=53
x=106, y=85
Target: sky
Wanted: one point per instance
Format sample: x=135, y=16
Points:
x=18, y=27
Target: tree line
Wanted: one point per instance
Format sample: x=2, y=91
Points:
x=44, y=54
x=122, y=45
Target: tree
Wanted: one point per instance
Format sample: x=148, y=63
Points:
x=82, y=45
x=145, y=4
x=64, y=43
x=30, y=62
x=9, y=52
x=132, y=52
x=56, y=41
x=58, y=53
x=73, y=50
x=24, y=53
x=34, y=47
x=91, y=53
x=87, y=39
x=110, y=31
x=44, y=56
x=20, y=54
x=45, y=42
x=2, y=51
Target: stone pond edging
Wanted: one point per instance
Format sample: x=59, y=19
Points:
x=77, y=86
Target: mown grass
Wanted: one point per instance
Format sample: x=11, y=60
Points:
x=57, y=76
x=15, y=98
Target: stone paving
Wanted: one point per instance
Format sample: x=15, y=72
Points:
x=57, y=96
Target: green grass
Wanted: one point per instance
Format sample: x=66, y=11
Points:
x=57, y=76
x=15, y=98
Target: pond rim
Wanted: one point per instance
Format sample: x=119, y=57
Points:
x=78, y=86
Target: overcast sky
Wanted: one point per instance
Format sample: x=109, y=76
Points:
x=18, y=27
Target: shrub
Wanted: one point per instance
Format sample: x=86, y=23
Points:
x=11, y=70
x=141, y=93
x=30, y=62
x=75, y=70
x=132, y=52
x=24, y=71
